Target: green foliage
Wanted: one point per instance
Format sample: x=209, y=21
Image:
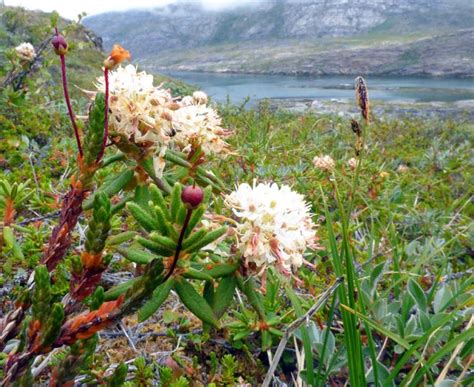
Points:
x=195, y=302
x=99, y=224
x=53, y=325
x=78, y=356
x=117, y=379
x=114, y=185
x=143, y=373
x=160, y=294
x=41, y=300
x=94, y=132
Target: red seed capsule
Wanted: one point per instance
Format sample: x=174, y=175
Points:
x=192, y=196
x=59, y=44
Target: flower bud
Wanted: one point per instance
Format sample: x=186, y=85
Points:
x=117, y=55
x=192, y=196
x=59, y=44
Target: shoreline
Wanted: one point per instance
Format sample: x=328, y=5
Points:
x=170, y=71
x=392, y=109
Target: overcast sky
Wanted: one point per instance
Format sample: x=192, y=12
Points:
x=71, y=8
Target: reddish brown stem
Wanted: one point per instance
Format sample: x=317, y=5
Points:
x=179, y=245
x=68, y=104
x=106, y=115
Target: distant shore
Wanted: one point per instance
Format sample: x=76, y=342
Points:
x=463, y=110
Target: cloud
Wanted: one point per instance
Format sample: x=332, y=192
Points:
x=71, y=9
x=223, y=4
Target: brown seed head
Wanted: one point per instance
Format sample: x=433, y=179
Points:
x=362, y=97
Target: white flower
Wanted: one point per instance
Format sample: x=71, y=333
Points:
x=26, y=51
x=352, y=162
x=200, y=97
x=324, y=163
x=402, y=168
x=187, y=100
x=274, y=225
x=139, y=110
x=196, y=126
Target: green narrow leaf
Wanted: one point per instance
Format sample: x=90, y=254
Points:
x=208, y=292
x=142, y=196
x=121, y=238
x=376, y=274
x=118, y=183
x=441, y=298
x=158, y=199
x=181, y=215
x=176, y=203
x=143, y=217
x=111, y=188
x=224, y=295
x=177, y=160
x=160, y=294
x=194, y=302
x=378, y=327
x=119, y=156
x=195, y=219
x=418, y=294
x=154, y=247
x=161, y=220
x=209, y=238
x=165, y=242
x=116, y=291
x=254, y=297
x=197, y=274
x=221, y=270
x=135, y=255
x=194, y=238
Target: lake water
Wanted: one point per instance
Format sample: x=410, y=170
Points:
x=412, y=89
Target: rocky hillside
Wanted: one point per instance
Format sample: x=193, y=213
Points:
x=18, y=25
x=86, y=54
x=301, y=36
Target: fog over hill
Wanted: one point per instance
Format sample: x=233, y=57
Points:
x=432, y=37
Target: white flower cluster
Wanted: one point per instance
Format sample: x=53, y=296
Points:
x=26, y=51
x=139, y=110
x=274, y=225
x=352, y=163
x=198, y=125
x=147, y=115
x=324, y=163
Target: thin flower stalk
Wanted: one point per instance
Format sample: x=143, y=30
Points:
x=106, y=115
x=68, y=100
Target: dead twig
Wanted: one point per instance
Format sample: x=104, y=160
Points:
x=296, y=325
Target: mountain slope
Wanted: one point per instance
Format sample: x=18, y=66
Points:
x=85, y=56
x=300, y=36
x=448, y=55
